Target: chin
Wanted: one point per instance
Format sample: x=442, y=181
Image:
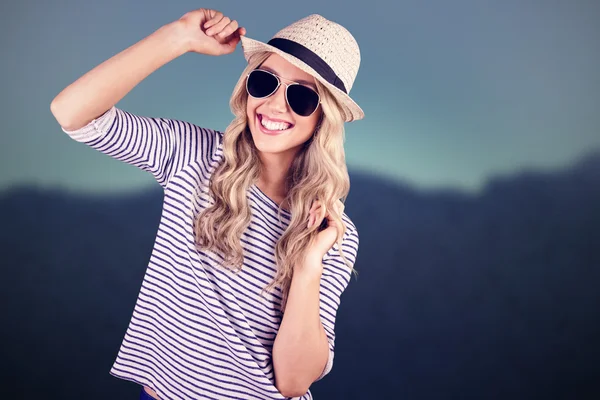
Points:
x=268, y=147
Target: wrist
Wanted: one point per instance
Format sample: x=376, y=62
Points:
x=312, y=264
x=175, y=34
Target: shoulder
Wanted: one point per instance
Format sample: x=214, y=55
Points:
x=181, y=130
x=351, y=233
x=198, y=142
x=187, y=129
x=337, y=270
x=350, y=242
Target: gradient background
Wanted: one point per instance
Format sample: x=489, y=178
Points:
x=477, y=165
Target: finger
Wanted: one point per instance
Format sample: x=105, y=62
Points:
x=310, y=221
x=213, y=20
x=314, y=212
x=229, y=29
x=232, y=43
x=315, y=205
x=218, y=27
x=321, y=214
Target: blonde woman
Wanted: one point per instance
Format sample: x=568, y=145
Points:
x=253, y=249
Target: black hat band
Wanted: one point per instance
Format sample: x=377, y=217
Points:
x=310, y=58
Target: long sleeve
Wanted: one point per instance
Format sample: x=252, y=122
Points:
x=160, y=146
x=334, y=280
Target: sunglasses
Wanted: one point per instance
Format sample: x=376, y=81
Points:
x=302, y=99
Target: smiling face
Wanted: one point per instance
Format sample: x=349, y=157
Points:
x=275, y=108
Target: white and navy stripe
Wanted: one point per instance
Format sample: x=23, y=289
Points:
x=199, y=331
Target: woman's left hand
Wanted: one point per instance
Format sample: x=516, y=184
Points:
x=327, y=237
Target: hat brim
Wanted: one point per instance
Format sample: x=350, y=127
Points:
x=351, y=110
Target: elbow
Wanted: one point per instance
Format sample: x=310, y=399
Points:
x=57, y=112
x=292, y=389
x=54, y=109
x=289, y=384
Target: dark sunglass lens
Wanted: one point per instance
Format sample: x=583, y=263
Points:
x=303, y=100
x=261, y=83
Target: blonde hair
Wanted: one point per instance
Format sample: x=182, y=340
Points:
x=318, y=172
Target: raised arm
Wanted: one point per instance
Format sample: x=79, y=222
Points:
x=202, y=31
x=94, y=93
x=86, y=108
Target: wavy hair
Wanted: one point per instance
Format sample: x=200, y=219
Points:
x=318, y=172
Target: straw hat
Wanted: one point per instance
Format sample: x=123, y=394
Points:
x=322, y=48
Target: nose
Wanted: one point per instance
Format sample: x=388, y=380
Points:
x=276, y=101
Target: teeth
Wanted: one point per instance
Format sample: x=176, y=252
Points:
x=274, y=126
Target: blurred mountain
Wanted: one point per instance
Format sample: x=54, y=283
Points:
x=489, y=296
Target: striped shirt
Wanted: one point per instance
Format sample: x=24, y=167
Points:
x=198, y=330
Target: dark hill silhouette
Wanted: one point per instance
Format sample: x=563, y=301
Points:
x=493, y=296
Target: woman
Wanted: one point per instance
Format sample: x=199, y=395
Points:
x=253, y=249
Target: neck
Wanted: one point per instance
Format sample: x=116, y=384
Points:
x=274, y=171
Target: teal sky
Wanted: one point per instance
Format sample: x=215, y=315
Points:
x=453, y=92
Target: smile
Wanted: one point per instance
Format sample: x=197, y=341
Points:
x=272, y=128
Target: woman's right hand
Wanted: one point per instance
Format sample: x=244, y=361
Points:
x=210, y=32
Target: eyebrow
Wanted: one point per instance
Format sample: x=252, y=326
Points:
x=311, y=84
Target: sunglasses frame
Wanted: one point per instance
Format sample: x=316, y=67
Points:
x=287, y=85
